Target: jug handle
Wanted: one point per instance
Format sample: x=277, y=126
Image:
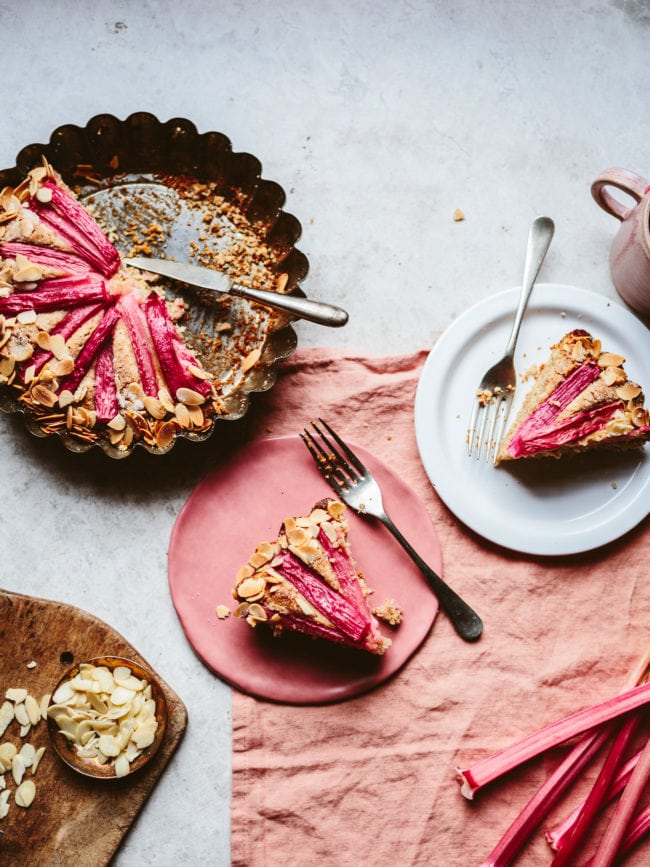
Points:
x=626, y=181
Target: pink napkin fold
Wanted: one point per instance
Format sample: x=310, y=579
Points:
x=372, y=781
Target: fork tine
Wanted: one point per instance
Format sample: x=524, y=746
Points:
x=472, y=438
x=502, y=426
x=325, y=461
x=352, y=458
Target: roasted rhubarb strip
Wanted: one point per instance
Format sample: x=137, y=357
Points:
x=55, y=298
x=165, y=338
x=92, y=346
x=139, y=335
x=310, y=627
x=66, y=328
x=545, y=798
x=344, y=571
x=106, y=405
x=487, y=770
x=334, y=606
x=557, y=435
x=68, y=263
x=74, y=224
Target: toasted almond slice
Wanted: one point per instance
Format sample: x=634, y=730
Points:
x=610, y=359
x=223, y=612
x=26, y=317
x=25, y=793
x=58, y=346
x=154, y=407
x=44, y=396
x=612, y=375
x=117, y=423
x=251, y=360
x=189, y=397
x=628, y=391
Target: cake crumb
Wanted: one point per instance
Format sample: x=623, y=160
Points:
x=389, y=612
x=223, y=612
x=614, y=486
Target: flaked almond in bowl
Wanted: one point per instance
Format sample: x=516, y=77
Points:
x=107, y=717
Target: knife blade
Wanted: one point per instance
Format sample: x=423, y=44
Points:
x=205, y=278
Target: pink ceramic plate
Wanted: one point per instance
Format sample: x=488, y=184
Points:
x=243, y=503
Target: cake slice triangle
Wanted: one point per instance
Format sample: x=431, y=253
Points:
x=307, y=581
x=581, y=401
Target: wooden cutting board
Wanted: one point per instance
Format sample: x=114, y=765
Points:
x=72, y=820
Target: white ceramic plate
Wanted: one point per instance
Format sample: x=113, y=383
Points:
x=542, y=508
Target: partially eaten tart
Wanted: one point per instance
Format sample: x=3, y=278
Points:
x=581, y=401
x=307, y=581
x=90, y=349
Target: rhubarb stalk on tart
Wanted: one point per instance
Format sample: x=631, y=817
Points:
x=581, y=401
x=88, y=347
x=307, y=581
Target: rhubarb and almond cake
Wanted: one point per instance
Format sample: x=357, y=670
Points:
x=581, y=401
x=307, y=581
x=90, y=349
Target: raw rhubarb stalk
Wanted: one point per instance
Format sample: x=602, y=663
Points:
x=56, y=260
x=637, y=829
x=106, y=405
x=92, y=346
x=489, y=769
x=335, y=607
x=597, y=795
x=165, y=338
x=558, y=835
x=136, y=324
x=545, y=798
x=55, y=297
x=74, y=224
x=66, y=328
x=610, y=845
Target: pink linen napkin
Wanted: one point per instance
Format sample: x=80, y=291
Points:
x=372, y=781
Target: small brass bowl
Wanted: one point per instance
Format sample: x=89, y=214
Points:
x=66, y=748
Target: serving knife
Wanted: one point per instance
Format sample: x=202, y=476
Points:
x=206, y=278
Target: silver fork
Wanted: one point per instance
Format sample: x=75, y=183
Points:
x=496, y=390
x=354, y=484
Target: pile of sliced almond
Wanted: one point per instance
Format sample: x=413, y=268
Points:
x=109, y=715
x=21, y=708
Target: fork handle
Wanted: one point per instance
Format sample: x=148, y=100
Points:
x=464, y=619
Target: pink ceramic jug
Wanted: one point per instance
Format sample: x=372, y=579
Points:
x=629, y=258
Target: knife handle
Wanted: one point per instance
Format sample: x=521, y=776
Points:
x=304, y=308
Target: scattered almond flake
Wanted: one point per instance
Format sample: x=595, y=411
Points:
x=27, y=753
x=44, y=704
x=6, y=716
x=18, y=768
x=118, y=423
x=31, y=664
x=33, y=710
x=251, y=360
x=38, y=755
x=7, y=752
x=223, y=612
x=4, y=803
x=16, y=695
x=25, y=793
x=458, y=215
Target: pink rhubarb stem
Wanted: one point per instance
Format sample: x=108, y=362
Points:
x=74, y=224
x=545, y=798
x=558, y=835
x=106, y=405
x=87, y=355
x=489, y=769
x=598, y=793
x=66, y=328
x=50, y=297
x=610, y=845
